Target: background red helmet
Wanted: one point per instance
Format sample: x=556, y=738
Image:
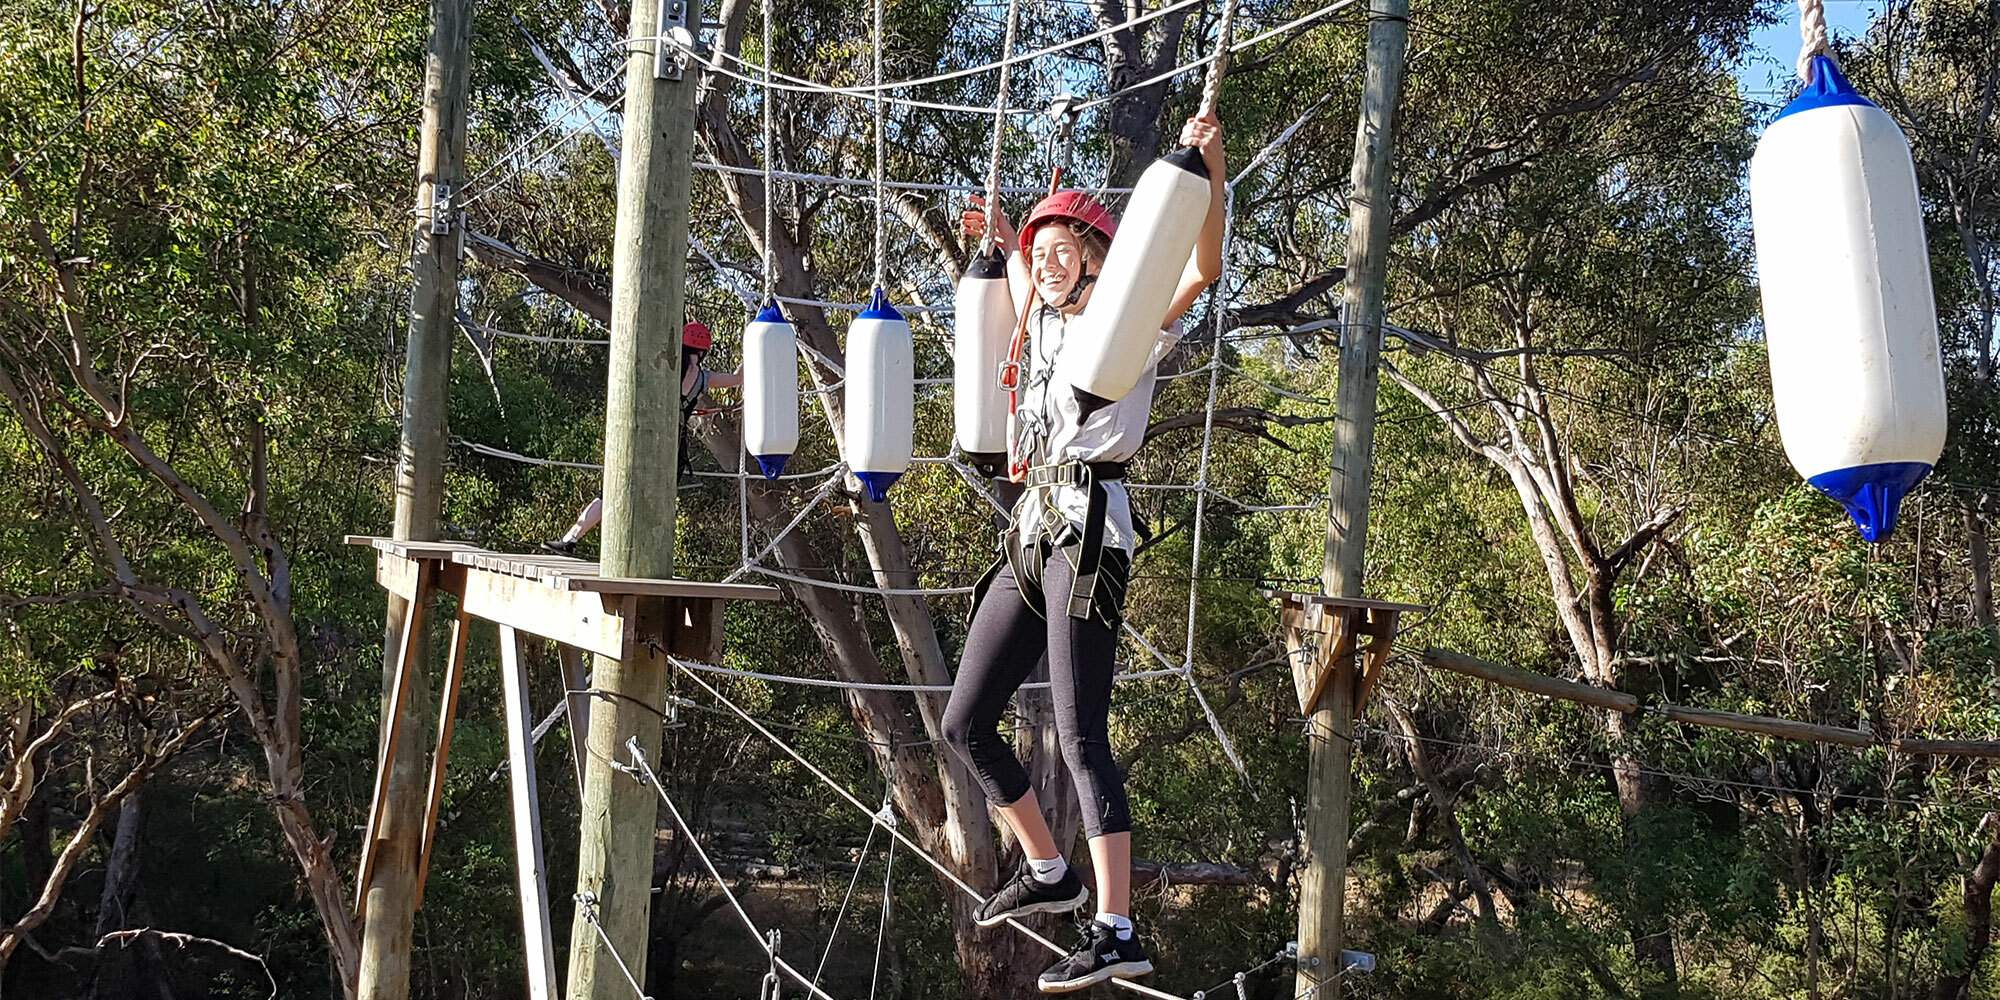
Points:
x=1067, y=206
x=696, y=336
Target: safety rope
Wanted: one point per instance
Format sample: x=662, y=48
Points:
x=770, y=158
x=1813, y=39
x=1211, y=91
x=999, y=125
x=881, y=147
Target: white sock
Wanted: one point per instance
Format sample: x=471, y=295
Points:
x=1117, y=922
x=1048, y=871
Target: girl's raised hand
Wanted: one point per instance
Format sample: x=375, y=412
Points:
x=974, y=219
x=1204, y=132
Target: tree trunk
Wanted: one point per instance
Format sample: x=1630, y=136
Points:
x=1979, y=542
x=1954, y=984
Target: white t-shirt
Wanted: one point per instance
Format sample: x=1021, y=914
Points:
x=1049, y=409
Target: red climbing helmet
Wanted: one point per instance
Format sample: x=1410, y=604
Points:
x=1067, y=205
x=696, y=336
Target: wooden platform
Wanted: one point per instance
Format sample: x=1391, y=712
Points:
x=1323, y=637
x=562, y=572
x=560, y=598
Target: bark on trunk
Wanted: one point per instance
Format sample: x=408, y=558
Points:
x=1979, y=542
x=1955, y=984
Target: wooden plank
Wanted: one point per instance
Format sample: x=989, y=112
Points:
x=1329, y=601
x=409, y=549
x=397, y=575
x=576, y=686
x=1381, y=630
x=1541, y=684
x=643, y=587
x=1336, y=653
x=581, y=619
x=454, y=672
x=530, y=870
x=697, y=633
x=1949, y=748
x=1764, y=725
x=414, y=619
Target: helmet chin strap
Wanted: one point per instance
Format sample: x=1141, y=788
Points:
x=1082, y=282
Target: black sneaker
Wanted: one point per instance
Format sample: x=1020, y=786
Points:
x=1102, y=955
x=1025, y=894
x=559, y=548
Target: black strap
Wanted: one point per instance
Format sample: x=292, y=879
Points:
x=1091, y=557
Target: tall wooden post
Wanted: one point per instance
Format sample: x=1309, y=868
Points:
x=641, y=436
x=1323, y=887
x=388, y=895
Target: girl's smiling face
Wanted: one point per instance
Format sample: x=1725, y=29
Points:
x=1057, y=260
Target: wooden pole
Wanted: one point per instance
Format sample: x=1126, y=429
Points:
x=641, y=435
x=388, y=897
x=1323, y=882
x=1760, y=725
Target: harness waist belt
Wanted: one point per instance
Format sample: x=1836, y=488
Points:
x=1075, y=473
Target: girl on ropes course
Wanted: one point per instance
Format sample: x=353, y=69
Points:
x=1059, y=590
x=695, y=383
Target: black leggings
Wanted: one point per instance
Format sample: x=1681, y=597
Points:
x=1011, y=633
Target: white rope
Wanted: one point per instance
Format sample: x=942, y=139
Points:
x=881, y=128
x=812, y=86
x=723, y=273
x=940, y=867
x=836, y=180
x=687, y=830
x=712, y=62
x=472, y=186
x=1252, y=42
x=860, y=862
x=822, y=682
x=494, y=331
x=1813, y=40
x=855, y=588
x=832, y=482
x=989, y=240
x=882, y=929
x=1211, y=92
x=770, y=156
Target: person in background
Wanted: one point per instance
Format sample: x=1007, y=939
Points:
x=696, y=380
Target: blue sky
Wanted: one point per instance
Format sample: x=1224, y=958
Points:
x=1768, y=74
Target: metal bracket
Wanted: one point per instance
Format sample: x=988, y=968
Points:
x=673, y=40
x=441, y=208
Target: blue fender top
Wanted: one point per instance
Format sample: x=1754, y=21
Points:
x=1872, y=494
x=1827, y=89
x=879, y=307
x=771, y=313
x=772, y=466
x=876, y=484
